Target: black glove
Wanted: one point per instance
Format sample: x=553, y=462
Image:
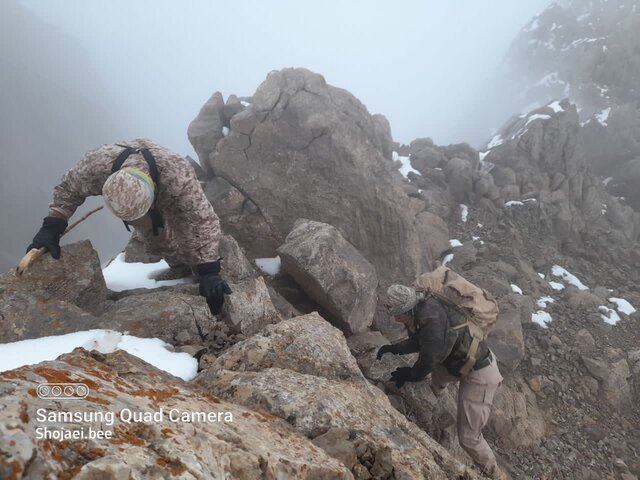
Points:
x=212, y=286
x=49, y=236
x=401, y=375
x=385, y=349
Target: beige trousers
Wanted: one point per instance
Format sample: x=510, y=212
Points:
x=163, y=244
x=475, y=397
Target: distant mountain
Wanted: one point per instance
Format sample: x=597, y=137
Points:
x=589, y=52
x=53, y=110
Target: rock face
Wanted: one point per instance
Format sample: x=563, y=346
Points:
x=76, y=278
x=329, y=149
x=249, y=307
x=231, y=441
x=289, y=372
x=332, y=272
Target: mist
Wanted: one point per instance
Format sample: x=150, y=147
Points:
x=417, y=62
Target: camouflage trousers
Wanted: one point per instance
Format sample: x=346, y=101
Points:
x=475, y=398
x=163, y=245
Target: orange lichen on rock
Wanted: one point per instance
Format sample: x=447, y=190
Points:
x=24, y=416
x=12, y=470
x=101, y=401
x=155, y=395
x=175, y=467
x=61, y=376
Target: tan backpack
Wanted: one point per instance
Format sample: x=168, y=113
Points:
x=476, y=304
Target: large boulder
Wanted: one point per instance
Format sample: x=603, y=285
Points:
x=205, y=131
x=308, y=146
x=249, y=307
x=226, y=441
x=332, y=272
x=75, y=278
x=175, y=317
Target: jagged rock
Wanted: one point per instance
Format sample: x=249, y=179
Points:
x=205, y=131
x=239, y=443
x=315, y=403
x=336, y=443
x=584, y=341
x=324, y=142
x=382, y=130
x=177, y=318
x=26, y=315
x=435, y=234
x=241, y=218
x=459, y=173
x=236, y=267
x=613, y=380
x=135, y=251
x=515, y=417
x=332, y=272
x=76, y=278
x=506, y=340
x=306, y=342
x=249, y=307
x=284, y=308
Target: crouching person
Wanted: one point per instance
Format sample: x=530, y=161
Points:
x=438, y=332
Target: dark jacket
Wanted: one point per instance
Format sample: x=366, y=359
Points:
x=437, y=341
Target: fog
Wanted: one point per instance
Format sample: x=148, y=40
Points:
x=78, y=73
x=419, y=62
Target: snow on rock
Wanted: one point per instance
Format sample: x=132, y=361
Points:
x=447, y=259
x=464, y=212
x=622, y=305
x=455, y=243
x=270, y=266
x=558, y=271
x=556, y=285
x=406, y=167
x=516, y=289
x=120, y=275
x=537, y=116
x=609, y=315
x=603, y=116
x=542, y=302
x=225, y=131
x=513, y=203
x=151, y=350
x=541, y=275
x=606, y=181
x=556, y=107
x=496, y=141
x=541, y=318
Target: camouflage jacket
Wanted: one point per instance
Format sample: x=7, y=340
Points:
x=184, y=207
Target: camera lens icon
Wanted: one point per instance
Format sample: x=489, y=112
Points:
x=62, y=391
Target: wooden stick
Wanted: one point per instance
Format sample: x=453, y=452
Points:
x=35, y=253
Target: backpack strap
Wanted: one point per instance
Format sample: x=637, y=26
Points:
x=156, y=219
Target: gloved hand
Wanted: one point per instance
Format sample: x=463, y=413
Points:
x=385, y=349
x=212, y=286
x=49, y=236
x=401, y=375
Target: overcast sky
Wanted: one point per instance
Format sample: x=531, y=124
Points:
x=418, y=62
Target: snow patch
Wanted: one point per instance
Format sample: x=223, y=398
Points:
x=541, y=275
x=541, y=318
x=556, y=285
x=558, y=271
x=542, y=302
x=270, y=266
x=447, y=259
x=225, y=131
x=513, y=203
x=516, y=289
x=245, y=103
x=464, y=212
x=537, y=116
x=607, y=181
x=603, y=116
x=455, y=243
x=609, y=315
x=622, y=305
x=151, y=350
x=405, y=167
x=496, y=141
x=120, y=275
x=556, y=107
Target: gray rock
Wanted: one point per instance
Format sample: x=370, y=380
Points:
x=459, y=173
x=613, y=380
x=337, y=445
x=249, y=308
x=506, y=340
x=205, y=131
x=76, y=278
x=236, y=267
x=584, y=341
x=135, y=251
x=332, y=272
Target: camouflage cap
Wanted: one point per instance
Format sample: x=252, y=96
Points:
x=401, y=299
x=128, y=193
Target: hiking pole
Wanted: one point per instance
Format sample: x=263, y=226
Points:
x=35, y=253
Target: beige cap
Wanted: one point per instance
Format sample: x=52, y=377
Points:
x=401, y=299
x=128, y=193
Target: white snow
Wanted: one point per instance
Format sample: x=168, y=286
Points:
x=542, y=302
x=270, y=266
x=120, y=275
x=558, y=271
x=549, y=79
x=516, y=289
x=455, y=243
x=606, y=181
x=537, y=116
x=533, y=26
x=483, y=155
x=406, y=167
x=556, y=285
x=244, y=103
x=495, y=142
x=512, y=203
x=225, y=131
x=541, y=275
x=464, y=212
x=151, y=350
x=541, y=318
x=622, y=305
x=530, y=200
x=603, y=116
x=447, y=259
x=556, y=107
x=609, y=315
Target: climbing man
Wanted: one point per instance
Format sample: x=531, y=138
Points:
x=157, y=192
x=437, y=330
